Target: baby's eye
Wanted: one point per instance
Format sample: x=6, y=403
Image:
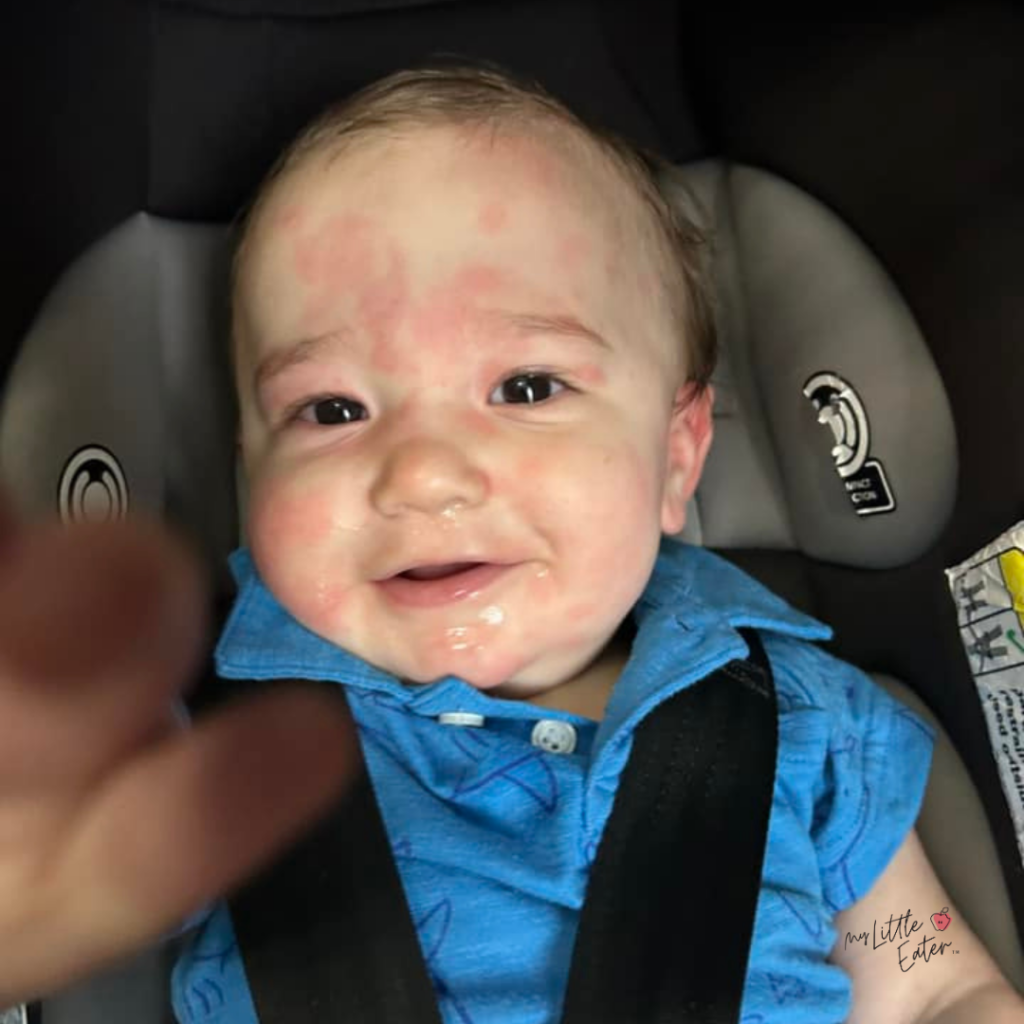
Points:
x=530, y=388
x=329, y=412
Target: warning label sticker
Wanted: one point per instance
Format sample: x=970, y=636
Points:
x=989, y=593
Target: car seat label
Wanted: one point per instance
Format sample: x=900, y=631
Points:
x=839, y=407
x=989, y=592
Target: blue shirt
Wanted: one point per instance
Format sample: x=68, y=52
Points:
x=494, y=836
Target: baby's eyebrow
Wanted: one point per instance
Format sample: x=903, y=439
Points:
x=277, y=362
x=521, y=324
x=543, y=323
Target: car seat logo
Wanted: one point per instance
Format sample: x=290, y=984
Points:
x=92, y=488
x=839, y=407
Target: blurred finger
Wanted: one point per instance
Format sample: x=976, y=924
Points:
x=195, y=818
x=100, y=628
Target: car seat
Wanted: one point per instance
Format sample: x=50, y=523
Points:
x=118, y=396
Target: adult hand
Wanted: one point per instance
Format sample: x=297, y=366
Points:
x=115, y=822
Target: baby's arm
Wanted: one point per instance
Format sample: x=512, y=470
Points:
x=958, y=984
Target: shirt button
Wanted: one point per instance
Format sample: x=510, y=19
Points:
x=554, y=736
x=461, y=718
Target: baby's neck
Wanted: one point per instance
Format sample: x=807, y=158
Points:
x=587, y=694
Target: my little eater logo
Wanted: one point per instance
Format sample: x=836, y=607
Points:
x=909, y=950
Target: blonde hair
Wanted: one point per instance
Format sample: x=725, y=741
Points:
x=458, y=93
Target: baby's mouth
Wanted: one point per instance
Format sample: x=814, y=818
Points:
x=427, y=586
x=436, y=572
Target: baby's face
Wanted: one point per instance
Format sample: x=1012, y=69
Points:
x=399, y=309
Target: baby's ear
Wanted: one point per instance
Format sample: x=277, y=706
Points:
x=689, y=439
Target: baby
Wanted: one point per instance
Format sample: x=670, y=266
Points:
x=472, y=345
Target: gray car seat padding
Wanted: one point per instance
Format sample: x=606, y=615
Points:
x=800, y=294
x=128, y=354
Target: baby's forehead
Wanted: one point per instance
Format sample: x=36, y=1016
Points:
x=518, y=196
x=537, y=159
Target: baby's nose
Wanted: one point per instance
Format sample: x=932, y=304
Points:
x=427, y=475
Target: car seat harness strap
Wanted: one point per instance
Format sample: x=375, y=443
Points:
x=327, y=937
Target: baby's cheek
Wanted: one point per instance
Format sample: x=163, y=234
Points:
x=318, y=600
x=279, y=519
x=473, y=423
x=286, y=530
x=610, y=519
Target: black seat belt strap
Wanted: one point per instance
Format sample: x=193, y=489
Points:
x=666, y=927
x=327, y=937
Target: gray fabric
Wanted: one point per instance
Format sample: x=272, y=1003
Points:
x=742, y=501
x=801, y=294
x=88, y=373
x=136, y=991
x=128, y=353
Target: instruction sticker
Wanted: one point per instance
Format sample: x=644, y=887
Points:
x=989, y=593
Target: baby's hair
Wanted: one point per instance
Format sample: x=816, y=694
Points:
x=459, y=92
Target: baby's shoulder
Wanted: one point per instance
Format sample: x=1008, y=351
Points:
x=810, y=679
x=809, y=675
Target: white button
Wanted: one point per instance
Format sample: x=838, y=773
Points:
x=554, y=736
x=461, y=718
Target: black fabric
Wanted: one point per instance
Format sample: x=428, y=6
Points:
x=300, y=8
x=248, y=84
x=665, y=930
x=327, y=936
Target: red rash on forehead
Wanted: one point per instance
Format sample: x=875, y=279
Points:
x=573, y=251
x=348, y=258
x=535, y=162
x=444, y=316
x=340, y=246
x=648, y=283
x=492, y=217
x=287, y=220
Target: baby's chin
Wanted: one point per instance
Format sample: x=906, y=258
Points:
x=513, y=676
x=485, y=681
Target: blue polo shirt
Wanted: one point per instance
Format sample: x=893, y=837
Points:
x=494, y=825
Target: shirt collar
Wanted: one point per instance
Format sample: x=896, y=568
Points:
x=686, y=620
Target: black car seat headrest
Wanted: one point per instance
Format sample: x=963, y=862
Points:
x=834, y=436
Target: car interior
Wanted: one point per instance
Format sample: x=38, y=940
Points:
x=861, y=176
